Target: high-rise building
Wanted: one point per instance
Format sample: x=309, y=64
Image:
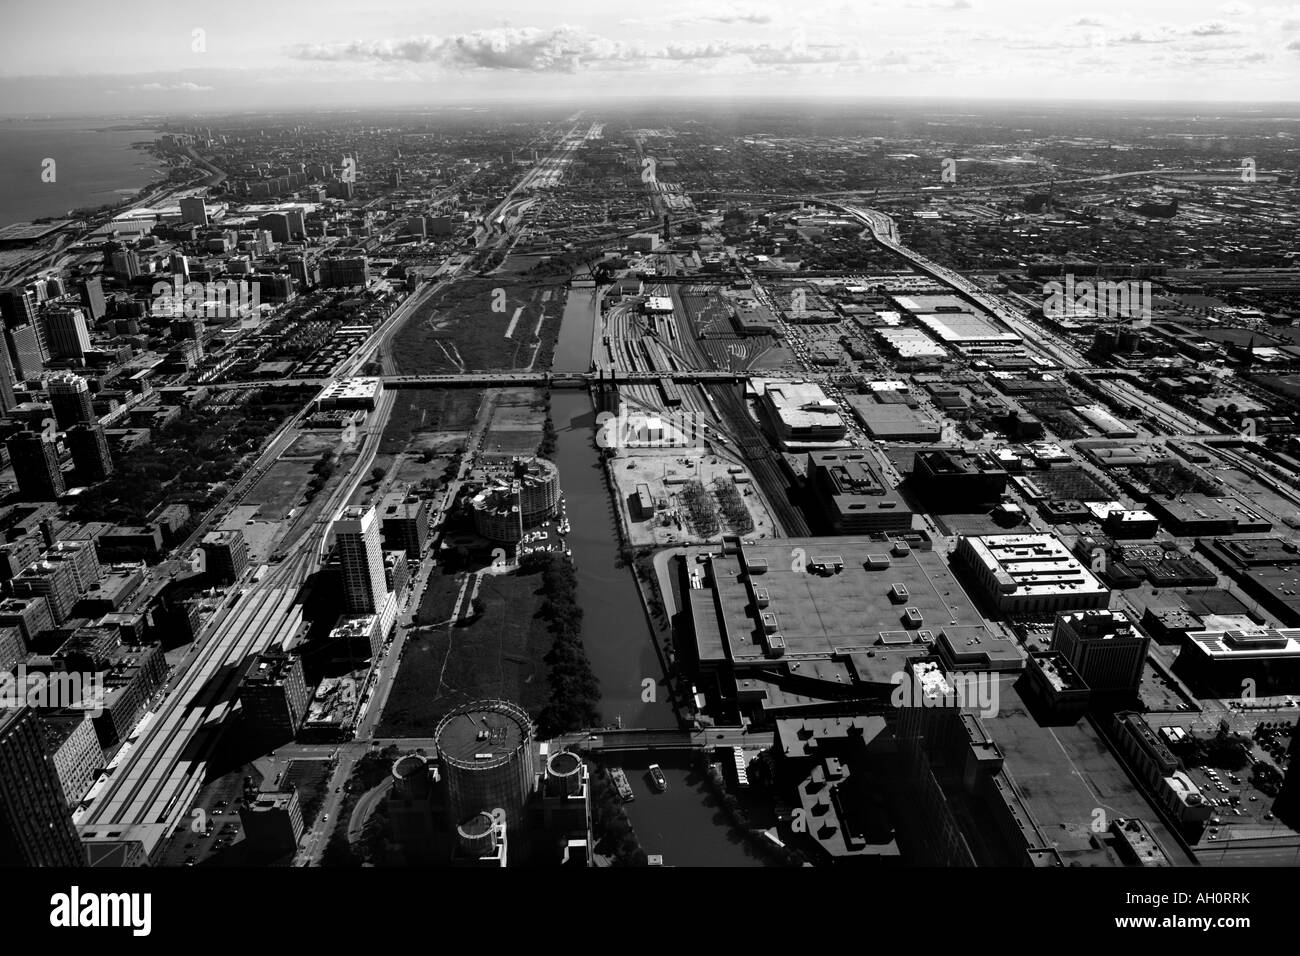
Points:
x=74, y=747
x=125, y=263
x=36, y=466
x=70, y=396
x=277, y=223
x=66, y=333
x=1106, y=648
x=7, y=400
x=297, y=223
x=13, y=649
x=92, y=297
x=344, y=271
x=82, y=556
x=274, y=696
x=27, y=349
x=298, y=269
x=272, y=822
x=56, y=581
x=362, y=557
x=31, y=615
x=17, y=306
x=35, y=820
x=405, y=522
x=226, y=553
x=195, y=210
x=486, y=751
x=90, y=452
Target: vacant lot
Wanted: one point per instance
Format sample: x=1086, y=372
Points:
x=281, y=488
x=498, y=655
x=517, y=418
x=434, y=419
x=465, y=328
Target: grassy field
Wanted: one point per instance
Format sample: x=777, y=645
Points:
x=464, y=328
x=281, y=488
x=498, y=655
x=517, y=418
x=420, y=414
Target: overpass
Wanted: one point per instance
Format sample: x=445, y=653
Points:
x=625, y=741
x=508, y=379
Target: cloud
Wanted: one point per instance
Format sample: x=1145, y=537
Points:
x=1212, y=28
x=1235, y=9
x=1141, y=36
x=556, y=50
x=568, y=49
x=953, y=6
x=169, y=87
x=729, y=13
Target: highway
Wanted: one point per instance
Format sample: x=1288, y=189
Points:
x=1036, y=338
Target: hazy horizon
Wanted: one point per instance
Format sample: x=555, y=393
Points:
x=79, y=57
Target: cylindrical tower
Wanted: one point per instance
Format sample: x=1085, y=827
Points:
x=476, y=835
x=563, y=774
x=411, y=778
x=486, y=752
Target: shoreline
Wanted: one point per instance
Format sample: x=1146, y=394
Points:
x=158, y=173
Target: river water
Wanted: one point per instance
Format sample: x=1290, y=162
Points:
x=683, y=824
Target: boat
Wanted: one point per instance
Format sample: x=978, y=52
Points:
x=657, y=778
x=621, y=784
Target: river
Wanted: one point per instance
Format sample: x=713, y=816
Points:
x=615, y=631
x=573, y=349
x=683, y=824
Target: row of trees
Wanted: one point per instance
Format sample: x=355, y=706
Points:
x=739, y=817
x=611, y=829
x=574, y=690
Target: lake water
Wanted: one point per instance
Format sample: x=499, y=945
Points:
x=93, y=166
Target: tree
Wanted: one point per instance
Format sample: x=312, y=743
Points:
x=377, y=474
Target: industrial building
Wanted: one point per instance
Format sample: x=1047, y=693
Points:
x=893, y=421
x=805, y=625
x=1242, y=661
x=351, y=393
x=1030, y=575
x=1268, y=570
x=955, y=480
x=851, y=495
x=799, y=414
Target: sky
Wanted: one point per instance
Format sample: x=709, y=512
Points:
x=180, y=56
